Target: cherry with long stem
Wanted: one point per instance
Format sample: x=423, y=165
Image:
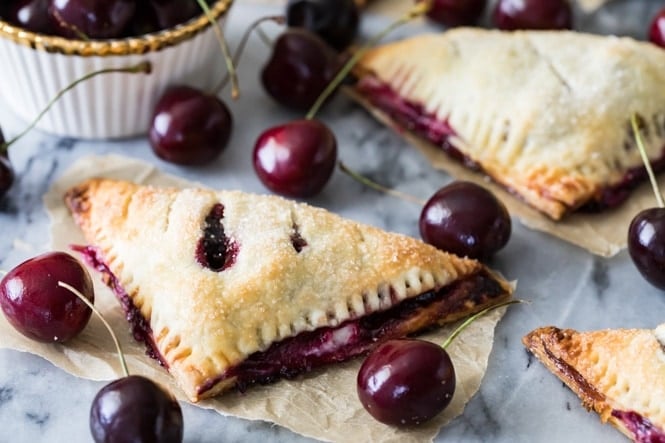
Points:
x=406, y=382
x=297, y=159
x=132, y=408
x=646, y=233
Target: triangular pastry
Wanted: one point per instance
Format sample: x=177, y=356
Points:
x=229, y=289
x=619, y=373
x=544, y=113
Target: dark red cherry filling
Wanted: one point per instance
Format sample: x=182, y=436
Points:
x=141, y=330
x=215, y=250
x=297, y=240
x=414, y=118
x=642, y=429
x=308, y=350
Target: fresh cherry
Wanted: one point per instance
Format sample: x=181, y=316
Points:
x=456, y=12
x=31, y=15
x=189, y=127
x=335, y=21
x=646, y=245
x=135, y=409
x=657, y=29
x=94, y=19
x=173, y=12
x=37, y=306
x=406, y=382
x=533, y=14
x=299, y=69
x=296, y=159
x=465, y=219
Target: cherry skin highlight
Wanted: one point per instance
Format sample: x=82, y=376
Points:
x=533, y=14
x=465, y=219
x=452, y=13
x=406, y=382
x=189, y=127
x=299, y=69
x=31, y=15
x=94, y=19
x=657, y=29
x=37, y=306
x=296, y=159
x=646, y=245
x=335, y=21
x=135, y=409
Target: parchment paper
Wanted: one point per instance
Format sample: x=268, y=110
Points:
x=603, y=233
x=321, y=405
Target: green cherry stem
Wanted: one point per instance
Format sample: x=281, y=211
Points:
x=646, y=161
x=121, y=356
x=473, y=318
x=416, y=11
x=230, y=66
x=367, y=182
x=142, y=67
x=255, y=26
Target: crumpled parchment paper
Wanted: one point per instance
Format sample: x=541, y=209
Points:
x=321, y=405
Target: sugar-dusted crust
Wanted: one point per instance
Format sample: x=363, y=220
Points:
x=204, y=322
x=610, y=370
x=546, y=114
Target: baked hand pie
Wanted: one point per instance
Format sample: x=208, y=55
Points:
x=228, y=289
x=546, y=114
x=618, y=373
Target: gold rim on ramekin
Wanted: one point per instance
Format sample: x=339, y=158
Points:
x=126, y=46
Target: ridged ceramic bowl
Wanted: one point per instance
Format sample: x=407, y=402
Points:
x=36, y=67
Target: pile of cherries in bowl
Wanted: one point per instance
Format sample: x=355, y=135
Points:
x=97, y=19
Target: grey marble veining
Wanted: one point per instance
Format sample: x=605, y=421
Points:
x=519, y=401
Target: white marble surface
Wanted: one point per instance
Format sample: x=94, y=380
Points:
x=519, y=400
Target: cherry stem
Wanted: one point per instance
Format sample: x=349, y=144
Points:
x=230, y=66
x=418, y=10
x=473, y=318
x=645, y=160
x=367, y=182
x=279, y=19
x=80, y=34
x=142, y=67
x=121, y=356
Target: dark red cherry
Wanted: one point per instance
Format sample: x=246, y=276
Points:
x=29, y=14
x=296, y=159
x=37, y=307
x=406, y=382
x=95, y=19
x=189, y=127
x=135, y=409
x=456, y=12
x=335, y=21
x=657, y=29
x=174, y=12
x=646, y=245
x=299, y=69
x=465, y=219
x=533, y=14
x=7, y=175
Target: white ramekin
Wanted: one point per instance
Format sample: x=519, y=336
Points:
x=36, y=67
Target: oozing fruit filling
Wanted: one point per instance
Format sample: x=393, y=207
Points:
x=215, y=250
x=309, y=350
x=413, y=117
x=642, y=429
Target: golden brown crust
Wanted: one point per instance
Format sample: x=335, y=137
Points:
x=204, y=322
x=609, y=370
x=537, y=118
